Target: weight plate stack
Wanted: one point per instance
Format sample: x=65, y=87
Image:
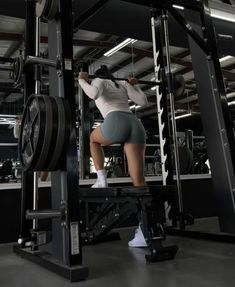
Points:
x=45, y=130
x=63, y=134
x=32, y=132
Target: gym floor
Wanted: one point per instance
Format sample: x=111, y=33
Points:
x=198, y=263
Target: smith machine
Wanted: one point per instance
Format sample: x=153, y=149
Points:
x=48, y=141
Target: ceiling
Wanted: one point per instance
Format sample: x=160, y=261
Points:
x=114, y=22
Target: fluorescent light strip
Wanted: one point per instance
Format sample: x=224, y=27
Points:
x=8, y=116
x=225, y=58
x=134, y=107
x=183, y=116
x=119, y=47
x=7, y=123
x=222, y=15
x=178, y=7
x=218, y=14
x=231, y=103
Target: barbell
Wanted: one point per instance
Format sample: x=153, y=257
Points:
x=178, y=82
x=19, y=63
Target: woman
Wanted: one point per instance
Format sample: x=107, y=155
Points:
x=119, y=126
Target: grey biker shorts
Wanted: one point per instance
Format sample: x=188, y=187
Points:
x=123, y=127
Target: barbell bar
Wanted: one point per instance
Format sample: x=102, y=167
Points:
x=42, y=61
x=179, y=82
x=19, y=63
x=148, y=83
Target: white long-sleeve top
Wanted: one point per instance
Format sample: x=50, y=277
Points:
x=16, y=129
x=109, y=98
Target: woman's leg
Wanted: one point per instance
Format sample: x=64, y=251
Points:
x=135, y=159
x=96, y=140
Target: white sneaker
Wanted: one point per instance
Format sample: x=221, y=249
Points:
x=138, y=240
x=99, y=184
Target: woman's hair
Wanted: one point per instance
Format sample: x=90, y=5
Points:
x=104, y=73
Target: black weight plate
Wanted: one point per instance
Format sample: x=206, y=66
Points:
x=42, y=7
x=186, y=160
x=54, y=134
x=179, y=85
x=32, y=132
x=40, y=165
x=67, y=133
x=20, y=70
x=58, y=149
x=52, y=11
x=17, y=70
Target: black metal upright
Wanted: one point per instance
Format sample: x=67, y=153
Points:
x=65, y=183
x=162, y=106
x=85, y=129
x=65, y=257
x=29, y=89
x=217, y=124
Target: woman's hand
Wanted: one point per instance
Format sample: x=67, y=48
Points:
x=83, y=76
x=132, y=81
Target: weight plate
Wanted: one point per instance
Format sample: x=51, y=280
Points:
x=42, y=7
x=179, y=85
x=54, y=133
x=17, y=70
x=32, y=132
x=186, y=160
x=44, y=153
x=64, y=124
x=53, y=10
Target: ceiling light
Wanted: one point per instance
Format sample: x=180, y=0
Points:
x=7, y=122
x=178, y=7
x=225, y=58
x=96, y=124
x=119, y=47
x=183, y=116
x=231, y=103
x=218, y=11
x=222, y=15
x=134, y=107
x=8, y=116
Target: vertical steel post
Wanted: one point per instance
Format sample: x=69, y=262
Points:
x=217, y=125
x=172, y=107
x=29, y=86
x=37, y=92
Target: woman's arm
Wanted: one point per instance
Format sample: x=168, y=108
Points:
x=16, y=129
x=135, y=93
x=91, y=90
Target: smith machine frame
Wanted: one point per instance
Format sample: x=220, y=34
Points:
x=65, y=257
x=217, y=122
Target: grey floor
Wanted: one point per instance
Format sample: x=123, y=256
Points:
x=197, y=263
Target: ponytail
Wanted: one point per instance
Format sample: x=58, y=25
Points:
x=104, y=73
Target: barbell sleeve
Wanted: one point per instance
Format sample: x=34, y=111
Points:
x=42, y=61
x=43, y=214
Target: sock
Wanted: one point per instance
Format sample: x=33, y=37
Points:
x=101, y=174
x=101, y=179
